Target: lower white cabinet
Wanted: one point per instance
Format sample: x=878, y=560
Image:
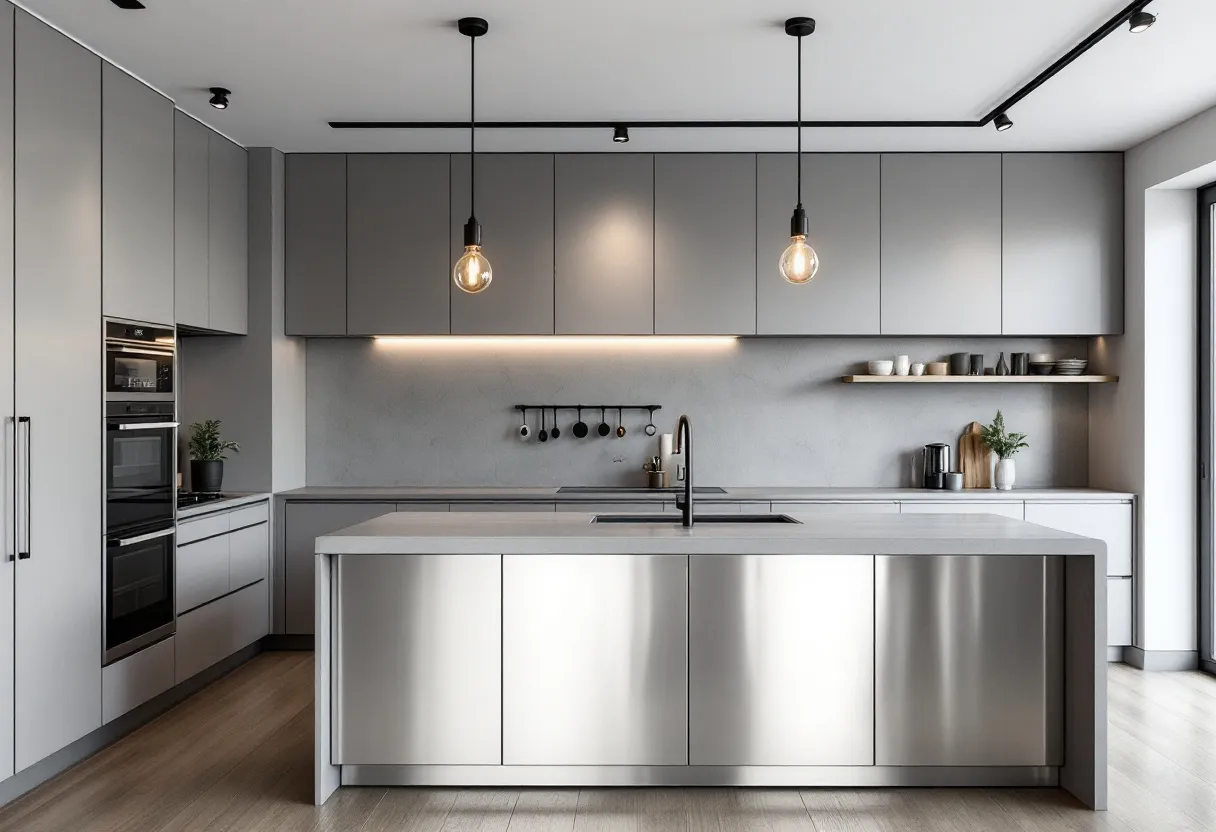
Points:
x=835, y=509
x=1118, y=612
x=130, y=682
x=248, y=555
x=1108, y=522
x=1010, y=509
x=215, y=631
x=202, y=572
x=249, y=614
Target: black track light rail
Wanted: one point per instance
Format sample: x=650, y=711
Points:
x=1092, y=40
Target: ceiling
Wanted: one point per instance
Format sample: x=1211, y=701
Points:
x=294, y=65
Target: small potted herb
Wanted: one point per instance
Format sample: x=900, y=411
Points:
x=1004, y=445
x=207, y=454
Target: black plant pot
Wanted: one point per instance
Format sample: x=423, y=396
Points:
x=206, y=475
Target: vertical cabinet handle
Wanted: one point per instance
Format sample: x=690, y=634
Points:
x=23, y=546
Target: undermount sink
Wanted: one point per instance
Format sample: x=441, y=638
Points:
x=675, y=519
x=627, y=489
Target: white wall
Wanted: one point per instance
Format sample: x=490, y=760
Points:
x=1143, y=430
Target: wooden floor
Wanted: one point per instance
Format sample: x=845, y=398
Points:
x=238, y=756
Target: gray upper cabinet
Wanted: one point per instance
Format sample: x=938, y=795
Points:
x=604, y=244
x=515, y=207
x=191, y=221
x=137, y=201
x=704, y=244
x=941, y=244
x=58, y=352
x=228, y=249
x=841, y=195
x=1063, y=243
x=315, y=241
x=397, y=267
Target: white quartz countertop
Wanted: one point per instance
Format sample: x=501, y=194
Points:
x=779, y=494
x=440, y=533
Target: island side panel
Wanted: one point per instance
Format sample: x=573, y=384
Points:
x=1084, y=773
x=327, y=776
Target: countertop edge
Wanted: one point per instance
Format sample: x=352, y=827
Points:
x=236, y=501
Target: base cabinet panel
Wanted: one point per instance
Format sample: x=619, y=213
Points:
x=204, y=637
x=249, y=611
x=418, y=660
x=130, y=682
x=595, y=667
x=781, y=660
x=249, y=555
x=1109, y=522
x=969, y=660
x=1119, y=612
x=202, y=571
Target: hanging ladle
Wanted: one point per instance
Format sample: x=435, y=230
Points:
x=603, y=429
x=580, y=427
x=524, y=430
x=543, y=436
x=620, y=424
x=556, y=432
x=650, y=429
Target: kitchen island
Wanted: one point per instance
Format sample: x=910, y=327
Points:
x=551, y=650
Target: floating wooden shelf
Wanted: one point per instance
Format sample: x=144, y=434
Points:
x=864, y=379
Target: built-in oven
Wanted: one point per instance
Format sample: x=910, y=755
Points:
x=139, y=362
x=140, y=465
x=139, y=591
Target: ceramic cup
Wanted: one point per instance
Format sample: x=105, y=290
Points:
x=954, y=481
x=902, y=365
x=917, y=369
x=958, y=363
x=977, y=365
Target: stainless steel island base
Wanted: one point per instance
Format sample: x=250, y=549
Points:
x=907, y=651
x=705, y=776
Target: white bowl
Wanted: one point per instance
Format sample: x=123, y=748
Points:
x=917, y=369
x=881, y=368
x=1041, y=358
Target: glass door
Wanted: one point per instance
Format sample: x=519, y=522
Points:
x=1207, y=428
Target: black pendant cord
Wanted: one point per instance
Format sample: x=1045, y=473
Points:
x=798, y=161
x=473, y=127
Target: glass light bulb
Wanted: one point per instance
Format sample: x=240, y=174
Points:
x=472, y=273
x=799, y=262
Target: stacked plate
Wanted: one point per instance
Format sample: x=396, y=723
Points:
x=1071, y=366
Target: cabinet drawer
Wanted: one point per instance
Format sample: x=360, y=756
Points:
x=248, y=555
x=249, y=516
x=1013, y=510
x=202, y=572
x=209, y=526
x=1118, y=612
x=249, y=613
x=204, y=636
x=655, y=507
x=502, y=506
x=835, y=509
x=130, y=682
x=1108, y=522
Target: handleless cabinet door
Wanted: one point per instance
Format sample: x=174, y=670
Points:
x=314, y=219
x=419, y=652
x=595, y=660
x=249, y=555
x=969, y=659
x=842, y=197
x=228, y=257
x=7, y=448
x=515, y=208
x=304, y=523
x=604, y=244
x=191, y=221
x=941, y=244
x=1109, y=522
x=781, y=660
x=1063, y=243
x=137, y=200
x=398, y=270
x=704, y=239
x=58, y=357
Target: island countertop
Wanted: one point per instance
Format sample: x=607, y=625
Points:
x=440, y=533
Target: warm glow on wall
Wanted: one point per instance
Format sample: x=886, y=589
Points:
x=557, y=343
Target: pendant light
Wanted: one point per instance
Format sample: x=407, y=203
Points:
x=799, y=262
x=472, y=273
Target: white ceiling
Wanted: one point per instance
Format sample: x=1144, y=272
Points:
x=296, y=64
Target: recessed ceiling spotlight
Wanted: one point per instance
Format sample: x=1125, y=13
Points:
x=1140, y=22
x=129, y=5
x=219, y=98
x=1003, y=123
x=620, y=135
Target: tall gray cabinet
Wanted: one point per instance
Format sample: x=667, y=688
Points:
x=137, y=201
x=315, y=242
x=8, y=566
x=58, y=357
x=397, y=244
x=515, y=207
x=941, y=244
x=1062, y=252
x=191, y=222
x=841, y=195
x=704, y=244
x=228, y=238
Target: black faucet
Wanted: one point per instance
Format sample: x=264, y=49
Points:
x=684, y=447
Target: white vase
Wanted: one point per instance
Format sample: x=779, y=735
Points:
x=1006, y=474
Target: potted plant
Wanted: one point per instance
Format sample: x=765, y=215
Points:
x=1004, y=445
x=207, y=455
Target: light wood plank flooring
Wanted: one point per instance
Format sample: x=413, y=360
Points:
x=238, y=756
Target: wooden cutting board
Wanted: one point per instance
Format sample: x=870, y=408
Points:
x=974, y=458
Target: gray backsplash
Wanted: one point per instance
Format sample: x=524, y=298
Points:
x=764, y=411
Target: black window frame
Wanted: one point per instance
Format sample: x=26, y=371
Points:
x=1207, y=428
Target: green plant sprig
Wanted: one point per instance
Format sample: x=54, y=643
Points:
x=205, y=444
x=1002, y=443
